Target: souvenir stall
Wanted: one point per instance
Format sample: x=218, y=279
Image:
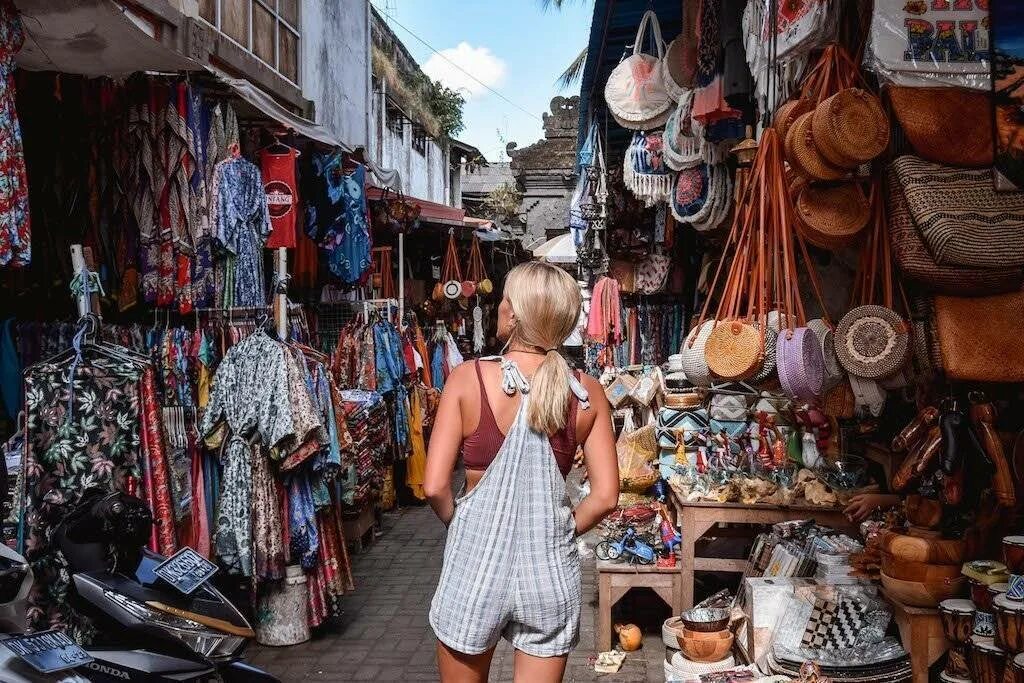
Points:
x=181, y=218
x=846, y=375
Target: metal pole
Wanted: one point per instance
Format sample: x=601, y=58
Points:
x=401, y=280
x=281, y=296
x=78, y=265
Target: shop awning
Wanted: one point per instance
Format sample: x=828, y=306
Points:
x=612, y=30
x=430, y=212
x=95, y=38
x=268, y=106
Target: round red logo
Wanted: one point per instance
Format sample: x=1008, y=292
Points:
x=279, y=198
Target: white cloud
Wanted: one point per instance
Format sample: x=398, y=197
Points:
x=478, y=61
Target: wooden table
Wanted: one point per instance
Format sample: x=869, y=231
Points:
x=615, y=579
x=696, y=519
x=922, y=636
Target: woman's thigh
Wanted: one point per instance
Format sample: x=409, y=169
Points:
x=531, y=669
x=458, y=667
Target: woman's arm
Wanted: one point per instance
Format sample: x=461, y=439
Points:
x=443, y=451
x=602, y=463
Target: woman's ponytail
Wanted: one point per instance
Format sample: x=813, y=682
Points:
x=546, y=301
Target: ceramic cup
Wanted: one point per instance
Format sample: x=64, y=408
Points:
x=1013, y=554
x=984, y=624
x=1015, y=587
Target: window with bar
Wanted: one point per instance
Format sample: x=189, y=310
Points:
x=269, y=29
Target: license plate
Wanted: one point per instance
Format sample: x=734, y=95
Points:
x=186, y=570
x=48, y=651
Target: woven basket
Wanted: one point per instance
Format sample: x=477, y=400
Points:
x=950, y=126
x=695, y=365
x=803, y=155
x=834, y=373
x=767, y=371
x=787, y=114
x=734, y=350
x=799, y=364
x=850, y=128
x=832, y=216
x=680, y=401
x=838, y=402
x=872, y=342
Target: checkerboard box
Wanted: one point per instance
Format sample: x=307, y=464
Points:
x=766, y=600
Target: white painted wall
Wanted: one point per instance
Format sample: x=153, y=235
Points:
x=425, y=176
x=335, y=66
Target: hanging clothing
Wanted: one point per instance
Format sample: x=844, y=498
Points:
x=278, y=170
x=96, y=444
x=241, y=229
x=416, y=465
x=15, y=224
x=337, y=216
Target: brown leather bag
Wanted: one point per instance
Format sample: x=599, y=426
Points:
x=979, y=339
x=945, y=125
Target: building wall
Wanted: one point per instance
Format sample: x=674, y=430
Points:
x=335, y=66
x=424, y=175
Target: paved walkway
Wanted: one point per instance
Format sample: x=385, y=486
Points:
x=385, y=635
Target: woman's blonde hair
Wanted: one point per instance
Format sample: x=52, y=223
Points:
x=546, y=303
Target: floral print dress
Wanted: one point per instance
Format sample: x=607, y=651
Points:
x=15, y=236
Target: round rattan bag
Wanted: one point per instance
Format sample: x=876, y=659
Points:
x=832, y=216
x=734, y=350
x=799, y=363
x=850, y=128
x=834, y=373
x=767, y=370
x=787, y=114
x=695, y=366
x=635, y=91
x=803, y=154
x=872, y=342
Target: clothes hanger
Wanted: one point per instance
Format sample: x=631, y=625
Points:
x=278, y=147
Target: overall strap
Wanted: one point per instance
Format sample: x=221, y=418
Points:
x=513, y=380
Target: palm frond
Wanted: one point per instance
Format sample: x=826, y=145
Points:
x=573, y=72
x=556, y=4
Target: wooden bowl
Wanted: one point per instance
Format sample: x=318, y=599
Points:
x=706, y=619
x=923, y=512
x=706, y=650
x=705, y=635
x=931, y=550
x=918, y=571
x=923, y=594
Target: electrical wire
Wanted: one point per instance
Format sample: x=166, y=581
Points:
x=438, y=53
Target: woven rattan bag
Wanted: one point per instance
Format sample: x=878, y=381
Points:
x=979, y=339
x=635, y=92
x=804, y=155
x=945, y=125
x=872, y=341
x=850, y=128
x=832, y=216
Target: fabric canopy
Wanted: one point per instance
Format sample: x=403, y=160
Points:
x=559, y=249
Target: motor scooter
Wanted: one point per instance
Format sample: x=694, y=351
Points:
x=148, y=630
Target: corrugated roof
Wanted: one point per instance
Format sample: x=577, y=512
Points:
x=612, y=30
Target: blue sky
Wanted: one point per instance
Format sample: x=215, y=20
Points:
x=515, y=46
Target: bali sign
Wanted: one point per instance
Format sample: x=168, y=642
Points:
x=937, y=42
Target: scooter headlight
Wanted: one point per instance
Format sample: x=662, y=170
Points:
x=205, y=641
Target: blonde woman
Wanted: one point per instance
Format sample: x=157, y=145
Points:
x=511, y=568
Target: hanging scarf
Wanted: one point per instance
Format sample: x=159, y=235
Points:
x=603, y=323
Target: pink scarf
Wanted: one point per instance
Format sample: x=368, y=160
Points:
x=604, y=324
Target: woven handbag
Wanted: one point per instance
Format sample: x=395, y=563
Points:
x=832, y=216
x=635, y=91
x=451, y=271
x=652, y=272
x=979, y=339
x=803, y=154
x=917, y=264
x=850, y=128
x=690, y=193
x=695, y=366
x=872, y=341
x=945, y=125
x=834, y=373
x=675, y=74
x=644, y=171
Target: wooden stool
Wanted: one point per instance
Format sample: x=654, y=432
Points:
x=922, y=636
x=615, y=579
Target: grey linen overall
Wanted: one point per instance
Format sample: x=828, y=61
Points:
x=511, y=567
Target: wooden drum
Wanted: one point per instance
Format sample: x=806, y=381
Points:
x=956, y=663
x=986, y=660
x=1015, y=670
x=957, y=620
x=1009, y=623
x=1013, y=553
